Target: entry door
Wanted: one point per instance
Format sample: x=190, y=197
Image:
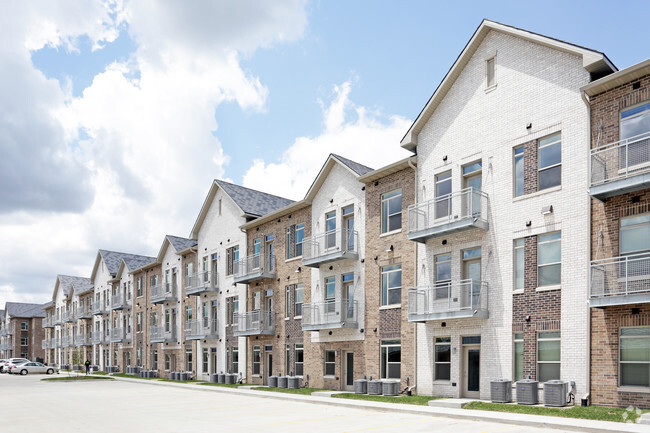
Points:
x=348, y=224
x=471, y=287
x=172, y=363
x=348, y=371
x=213, y=365
x=471, y=371
x=269, y=367
x=473, y=201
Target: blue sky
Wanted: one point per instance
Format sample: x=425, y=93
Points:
x=119, y=114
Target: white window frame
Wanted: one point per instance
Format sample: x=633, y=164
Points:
x=441, y=341
x=516, y=156
x=386, y=200
x=632, y=227
x=330, y=364
x=540, y=169
x=559, y=361
x=299, y=348
x=517, y=338
x=300, y=287
x=257, y=365
x=491, y=67
x=540, y=244
x=386, y=272
x=518, y=245
x=620, y=362
x=384, y=369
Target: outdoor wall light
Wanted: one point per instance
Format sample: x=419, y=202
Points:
x=529, y=126
x=444, y=158
x=529, y=223
x=389, y=249
x=298, y=269
x=547, y=210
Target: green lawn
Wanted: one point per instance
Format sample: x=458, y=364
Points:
x=72, y=378
x=182, y=381
x=132, y=376
x=601, y=413
x=304, y=391
x=421, y=400
x=225, y=385
x=103, y=373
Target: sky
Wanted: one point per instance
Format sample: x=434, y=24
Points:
x=115, y=116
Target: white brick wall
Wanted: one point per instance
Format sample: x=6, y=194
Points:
x=537, y=85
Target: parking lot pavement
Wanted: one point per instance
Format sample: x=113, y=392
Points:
x=117, y=406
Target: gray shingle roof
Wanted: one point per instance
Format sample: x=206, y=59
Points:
x=132, y=261
x=67, y=281
x=359, y=169
x=253, y=202
x=180, y=243
x=20, y=309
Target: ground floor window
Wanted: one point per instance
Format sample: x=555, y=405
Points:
x=167, y=361
x=635, y=356
x=115, y=357
x=548, y=356
x=206, y=357
x=188, y=359
x=391, y=359
x=442, y=358
x=154, y=360
x=519, y=356
x=257, y=360
x=330, y=363
x=288, y=360
x=235, y=359
x=138, y=356
x=299, y=361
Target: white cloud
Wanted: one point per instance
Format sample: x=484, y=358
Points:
x=351, y=131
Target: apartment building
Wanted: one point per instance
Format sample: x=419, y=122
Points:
x=619, y=279
x=21, y=332
x=501, y=217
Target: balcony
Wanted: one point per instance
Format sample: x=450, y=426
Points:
x=253, y=268
x=450, y=213
x=330, y=314
x=620, y=281
x=202, y=329
x=163, y=293
x=48, y=322
x=120, y=335
x=163, y=334
x=82, y=340
x=254, y=323
x=453, y=300
x=58, y=319
x=329, y=247
x=120, y=301
x=55, y=343
x=84, y=313
x=99, y=308
x=68, y=317
x=620, y=167
x=203, y=282
x=100, y=338
x=64, y=342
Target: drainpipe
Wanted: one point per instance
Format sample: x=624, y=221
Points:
x=415, y=275
x=585, y=99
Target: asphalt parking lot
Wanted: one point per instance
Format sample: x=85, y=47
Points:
x=32, y=405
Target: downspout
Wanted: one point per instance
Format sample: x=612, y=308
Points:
x=415, y=282
x=585, y=99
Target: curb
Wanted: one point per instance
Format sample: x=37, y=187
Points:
x=572, y=424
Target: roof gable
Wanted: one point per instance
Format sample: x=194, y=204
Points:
x=20, y=309
x=593, y=61
x=354, y=168
x=113, y=260
x=66, y=283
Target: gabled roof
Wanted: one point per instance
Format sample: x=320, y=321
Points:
x=113, y=259
x=386, y=170
x=620, y=78
x=181, y=244
x=67, y=282
x=593, y=61
x=354, y=168
x=49, y=304
x=20, y=309
x=252, y=203
x=130, y=264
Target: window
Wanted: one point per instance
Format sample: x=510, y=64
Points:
x=549, y=160
x=330, y=363
x=138, y=322
x=548, y=356
x=206, y=357
x=391, y=211
x=490, y=72
x=519, y=264
x=330, y=228
x=188, y=312
x=442, y=275
x=154, y=360
x=330, y=288
x=232, y=256
x=635, y=234
x=167, y=361
x=391, y=285
x=257, y=358
x=189, y=271
x=24, y=326
x=391, y=358
x=288, y=362
x=519, y=356
x=23, y=341
x=235, y=305
x=257, y=300
x=634, y=127
x=299, y=359
x=549, y=252
x=519, y=171
x=154, y=281
x=139, y=284
x=298, y=301
x=443, y=199
x=295, y=237
x=287, y=301
x=235, y=359
x=635, y=356
x=442, y=361
x=138, y=356
x=188, y=359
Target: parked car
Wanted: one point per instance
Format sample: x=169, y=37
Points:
x=2, y=365
x=13, y=361
x=33, y=367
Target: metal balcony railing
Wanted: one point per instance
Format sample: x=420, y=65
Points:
x=120, y=335
x=164, y=292
x=82, y=340
x=48, y=322
x=450, y=213
x=449, y=300
x=253, y=268
x=329, y=314
x=330, y=246
x=121, y=301
x=99, y=307
x=620, y=280
x=163, y=334
x=100, y=337
x=58, y=319
x=256, y=322
x=201, y=329
x=84, y=312
x=620, y=167
x=68, y=317
x=202, y=282
x=65, y=341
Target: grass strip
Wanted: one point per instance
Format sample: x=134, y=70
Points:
x=600, y=413
x=182, y=381
x=421, y=400
x=133, y=376
x=73, y=378
x=225, y=385
x=303, y=391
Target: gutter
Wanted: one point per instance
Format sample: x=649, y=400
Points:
x=415, y=277
x=587, y=395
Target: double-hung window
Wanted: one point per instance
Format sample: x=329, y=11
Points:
x=295, y=237
x=442, y=358
x=235, y=359
x=391, y=211
x=635, y=130
x=443, y=195
x=330, y=363
x=635, y=234
x=299, y=299
x=490, y=73
x=391, y=359
x=442, y=275
x=299, y=359
x=519, y=170
x=257, y=359
x=391, y=285
x=549, y=258
x=519, y=356
x=287, y=301
x=232, y=258
x=635, y=356
x=519, y=264
x=549, y=161
x=548, y=356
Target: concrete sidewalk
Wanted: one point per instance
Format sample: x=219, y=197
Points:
x=572, y=424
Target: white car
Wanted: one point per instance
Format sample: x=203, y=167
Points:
x=13, y=361
x=32, y=367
